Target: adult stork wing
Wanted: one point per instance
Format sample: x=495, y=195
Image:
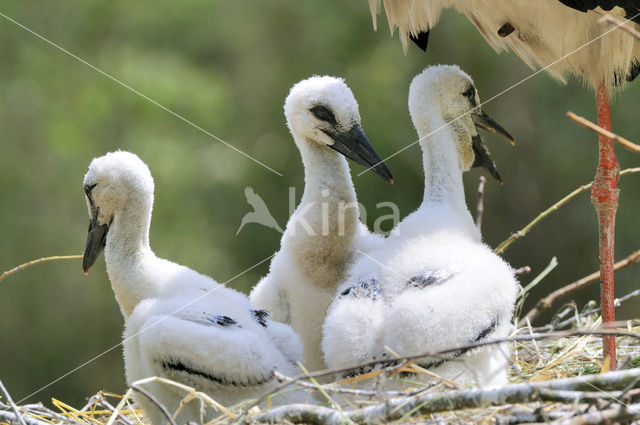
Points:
x=631, y=7
x=422, y=15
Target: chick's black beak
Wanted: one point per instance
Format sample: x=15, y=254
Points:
x=482, y=157
x=485, y=122
x=96, y=241
x=354, y=145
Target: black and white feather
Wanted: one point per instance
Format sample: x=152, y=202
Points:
x=562, y=36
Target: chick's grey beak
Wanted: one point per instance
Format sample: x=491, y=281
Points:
x=96, y=241
x=485, y=122
x=354, y=145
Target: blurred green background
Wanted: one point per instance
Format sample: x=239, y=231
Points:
x=227, y=66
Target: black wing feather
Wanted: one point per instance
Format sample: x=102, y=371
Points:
x=421, y=40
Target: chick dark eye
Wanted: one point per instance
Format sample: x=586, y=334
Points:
x=323, y=114
x=470, y=93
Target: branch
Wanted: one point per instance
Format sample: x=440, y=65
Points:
x=329, y=388
x=480, y=206
x=191, y=393
x=13, y=419
x=119, y=407
x=153, y=400
x=545, y=303
x=515, y=236
x=615, y=415
x=603, y=416
x=15, y=409
x=104, y=403
x=38, y=261
x=39, y=411
x=617, y=303
x=608, y=19
x=606, y=133
x=566, y=389
x=302, y=414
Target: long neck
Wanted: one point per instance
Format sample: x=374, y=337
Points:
x=127, y=251
x=320, y=232
x=325, y=169
x=442, y=167
x=443, y=186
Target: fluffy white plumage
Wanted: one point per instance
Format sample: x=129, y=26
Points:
x=323, y=233
x=433, y=284
x=544, y=32
x=179, y=324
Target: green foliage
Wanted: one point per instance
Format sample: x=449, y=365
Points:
x=633, y=363
x=586, y=369
x=227, y=67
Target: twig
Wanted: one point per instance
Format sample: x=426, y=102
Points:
x=480, y=206
x=522, y=271
x=326, y=395
x=529, y=418
x=119, y=406
x=40, y=411
x=15, y=409
x=109, y=406
x=302, y=414
x=409, y=365
x=329, y=388
x=515, y=236
x=546, y=302
x=153, y=400
x=617, y=303
x=606, y=133
x=603, y=417
x=623, y=393
x=38, y=261
x=11, y=418
x=580, y=396
x=190, y=392
x=552, y=265
x=608, y=19
x=396, y=408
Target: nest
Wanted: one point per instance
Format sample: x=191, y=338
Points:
x=557, y=376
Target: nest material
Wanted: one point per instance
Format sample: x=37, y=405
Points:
x=553, y=379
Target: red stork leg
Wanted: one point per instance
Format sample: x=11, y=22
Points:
x=604, y=196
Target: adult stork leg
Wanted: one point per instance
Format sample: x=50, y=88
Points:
x=604, y=196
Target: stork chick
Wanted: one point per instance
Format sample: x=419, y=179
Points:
x=324, y=232
x=179, y=324
x=561, y=37
x=433, y=285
